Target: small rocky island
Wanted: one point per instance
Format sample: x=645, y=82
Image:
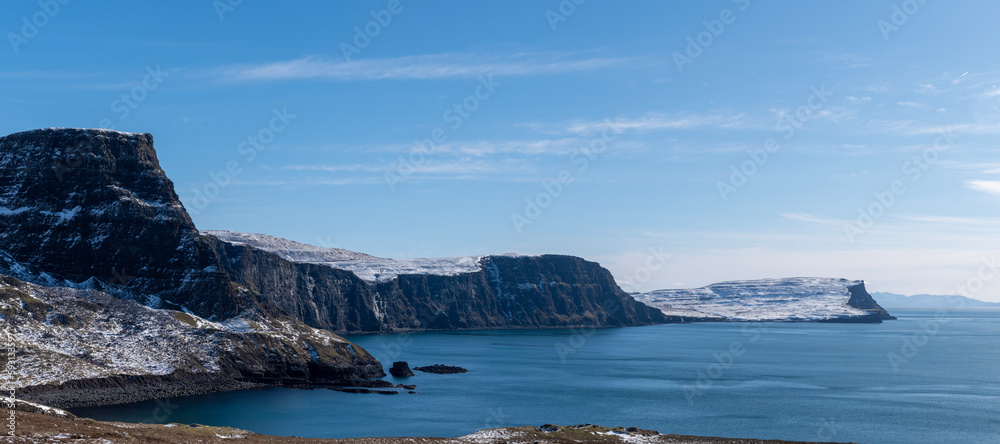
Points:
x=401, y=369
x=441, y=369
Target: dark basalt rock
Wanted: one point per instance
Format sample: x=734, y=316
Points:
x=861, y=299
x=441, y=369
x=94, y=206
x=363, y=390
x=400, y=369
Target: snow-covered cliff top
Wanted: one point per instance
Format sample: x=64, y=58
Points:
x=288, y=249
x=365, y=266
x=789, y=299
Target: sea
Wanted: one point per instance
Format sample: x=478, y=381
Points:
x=928, y=377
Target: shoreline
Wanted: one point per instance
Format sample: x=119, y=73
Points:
x=32, y=427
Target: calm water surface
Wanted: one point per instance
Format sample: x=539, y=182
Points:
x=888, y=383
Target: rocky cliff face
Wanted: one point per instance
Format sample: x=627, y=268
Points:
x=861, y=300
x=93, y=209
x=502, y=292
x=513, y=292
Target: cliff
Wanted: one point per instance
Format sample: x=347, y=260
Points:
x=494, y=292
x=92, y=209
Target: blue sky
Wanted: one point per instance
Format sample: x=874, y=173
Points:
x=622, y=124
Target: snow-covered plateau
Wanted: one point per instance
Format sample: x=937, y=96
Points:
x=788, y=299
x=365, y=266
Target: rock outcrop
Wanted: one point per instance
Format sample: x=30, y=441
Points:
x=441, y=369
x=92, y=208
x=83, y=347
x=400, y=369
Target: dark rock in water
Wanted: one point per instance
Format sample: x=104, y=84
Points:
x=441, y=369
x=400, y=369
x=363, y=390
x=372, y=383
x=406, y=386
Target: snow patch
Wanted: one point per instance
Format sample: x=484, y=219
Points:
x=4, y=211
x=365, y=266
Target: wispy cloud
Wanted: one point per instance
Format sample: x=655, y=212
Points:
x=978, y=167
x=979, y=127
x=450, y=168
x=649, y=122
x=811, y=218
x=985, y=186
x=955, y=221
x=422, y=67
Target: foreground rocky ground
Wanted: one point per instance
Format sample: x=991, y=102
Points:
x=40, y=428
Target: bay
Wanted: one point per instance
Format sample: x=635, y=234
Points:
x=925, y=378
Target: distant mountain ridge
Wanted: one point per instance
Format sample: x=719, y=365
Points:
x=893, y=300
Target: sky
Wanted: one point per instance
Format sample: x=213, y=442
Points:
x=677, y=143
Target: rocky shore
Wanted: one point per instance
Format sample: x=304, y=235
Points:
x=35, y=427
x=123, y=389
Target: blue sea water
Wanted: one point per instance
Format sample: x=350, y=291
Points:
x=925, y=378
